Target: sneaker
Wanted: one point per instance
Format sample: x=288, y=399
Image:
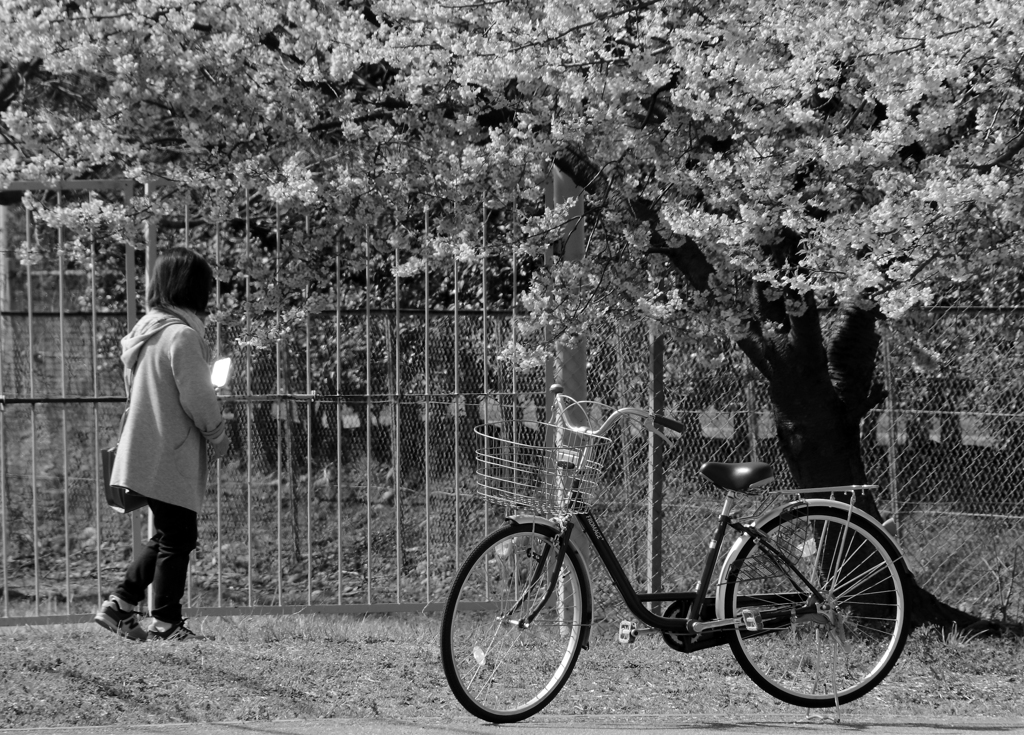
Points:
x=123, y=622
x=177, y=632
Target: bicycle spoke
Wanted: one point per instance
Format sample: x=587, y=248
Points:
x=499, y=669
x=853, y=625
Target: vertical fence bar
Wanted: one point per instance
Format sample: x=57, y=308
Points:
x=337, y=408
x=890, y=409
x=513, y=335
x=187, y=243
x=458, y=411
x=62, y=349
x=150, y=232
x=486, y=343
x=309, y=450
x=5, y=305
x=396, y=434
x=4, y=515
x=283, y=412
x=655, y=465
x=426, y=401
x=217, y=463
x=369, y=417
x=248, y=395
x=97, y=463
x=33, y=480
x=622, y=398
x=751, y=401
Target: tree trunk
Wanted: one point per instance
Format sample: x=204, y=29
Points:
x=820, y=395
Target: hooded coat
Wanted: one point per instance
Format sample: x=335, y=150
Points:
x=172, y=411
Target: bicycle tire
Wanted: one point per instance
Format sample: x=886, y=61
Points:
x=499, y=671
x=849, y=645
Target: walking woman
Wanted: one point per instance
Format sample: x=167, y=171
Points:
x=173, y=413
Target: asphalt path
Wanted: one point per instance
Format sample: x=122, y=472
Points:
x=675, y=724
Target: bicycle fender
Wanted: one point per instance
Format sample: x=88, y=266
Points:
x=585, y=586
x=890, y=542
x=883, y=534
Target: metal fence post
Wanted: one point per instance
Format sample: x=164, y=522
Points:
x=485, y=400
x=310, y=414
x=338, y=439
x=33, y=449
x=61, y=298
x=458, y=399
x=369, y=420
x=150, y=231
x=247, y=315
x=752, y=418
x=571, y=361
x=283, y=409
x=426, y=407
x=396, y=433
x=655, y=465
x=5, y=305
x=890, y=409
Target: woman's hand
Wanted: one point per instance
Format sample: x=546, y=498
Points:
x=221, y=446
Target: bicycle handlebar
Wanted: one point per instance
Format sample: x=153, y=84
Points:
x=562, y=402
x=668, y=423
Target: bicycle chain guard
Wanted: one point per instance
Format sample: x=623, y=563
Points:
x=686, y=642
x=678, y=641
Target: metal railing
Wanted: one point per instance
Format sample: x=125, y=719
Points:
x=350, y=484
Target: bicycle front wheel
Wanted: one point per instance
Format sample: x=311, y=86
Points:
x=822, y=604
x=501, y=666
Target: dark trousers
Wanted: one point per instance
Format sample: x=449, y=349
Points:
x=163, y=561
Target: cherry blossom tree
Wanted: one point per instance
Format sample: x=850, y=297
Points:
x=747, y=164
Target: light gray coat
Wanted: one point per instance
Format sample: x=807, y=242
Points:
x=172, y=412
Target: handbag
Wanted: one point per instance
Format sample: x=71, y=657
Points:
x=120, y=499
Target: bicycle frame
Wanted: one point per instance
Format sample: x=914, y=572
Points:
x=695, y=622
x=699, y=626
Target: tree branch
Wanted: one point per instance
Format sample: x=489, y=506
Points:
x=1009, y=152
x=12, y=82
x=683, y=253
x=688, y=259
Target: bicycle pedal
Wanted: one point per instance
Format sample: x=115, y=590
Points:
x=627, y=632
x=751, y=619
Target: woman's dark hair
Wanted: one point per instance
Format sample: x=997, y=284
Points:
x=181, y=278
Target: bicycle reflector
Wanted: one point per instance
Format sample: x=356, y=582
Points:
x=568, y=459
x=751, y=619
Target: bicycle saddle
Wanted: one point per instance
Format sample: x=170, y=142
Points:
x=741, y=476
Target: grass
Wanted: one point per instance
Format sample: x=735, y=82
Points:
x=309, y=666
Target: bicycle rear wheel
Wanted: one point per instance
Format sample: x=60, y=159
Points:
x=500, y=669
x=817, y=653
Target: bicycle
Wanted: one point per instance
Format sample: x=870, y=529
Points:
x=809, y=597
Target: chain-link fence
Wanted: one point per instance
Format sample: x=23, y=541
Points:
x=350, y=484
x=945, y=450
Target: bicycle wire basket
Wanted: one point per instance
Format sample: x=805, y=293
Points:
x=549, y=469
